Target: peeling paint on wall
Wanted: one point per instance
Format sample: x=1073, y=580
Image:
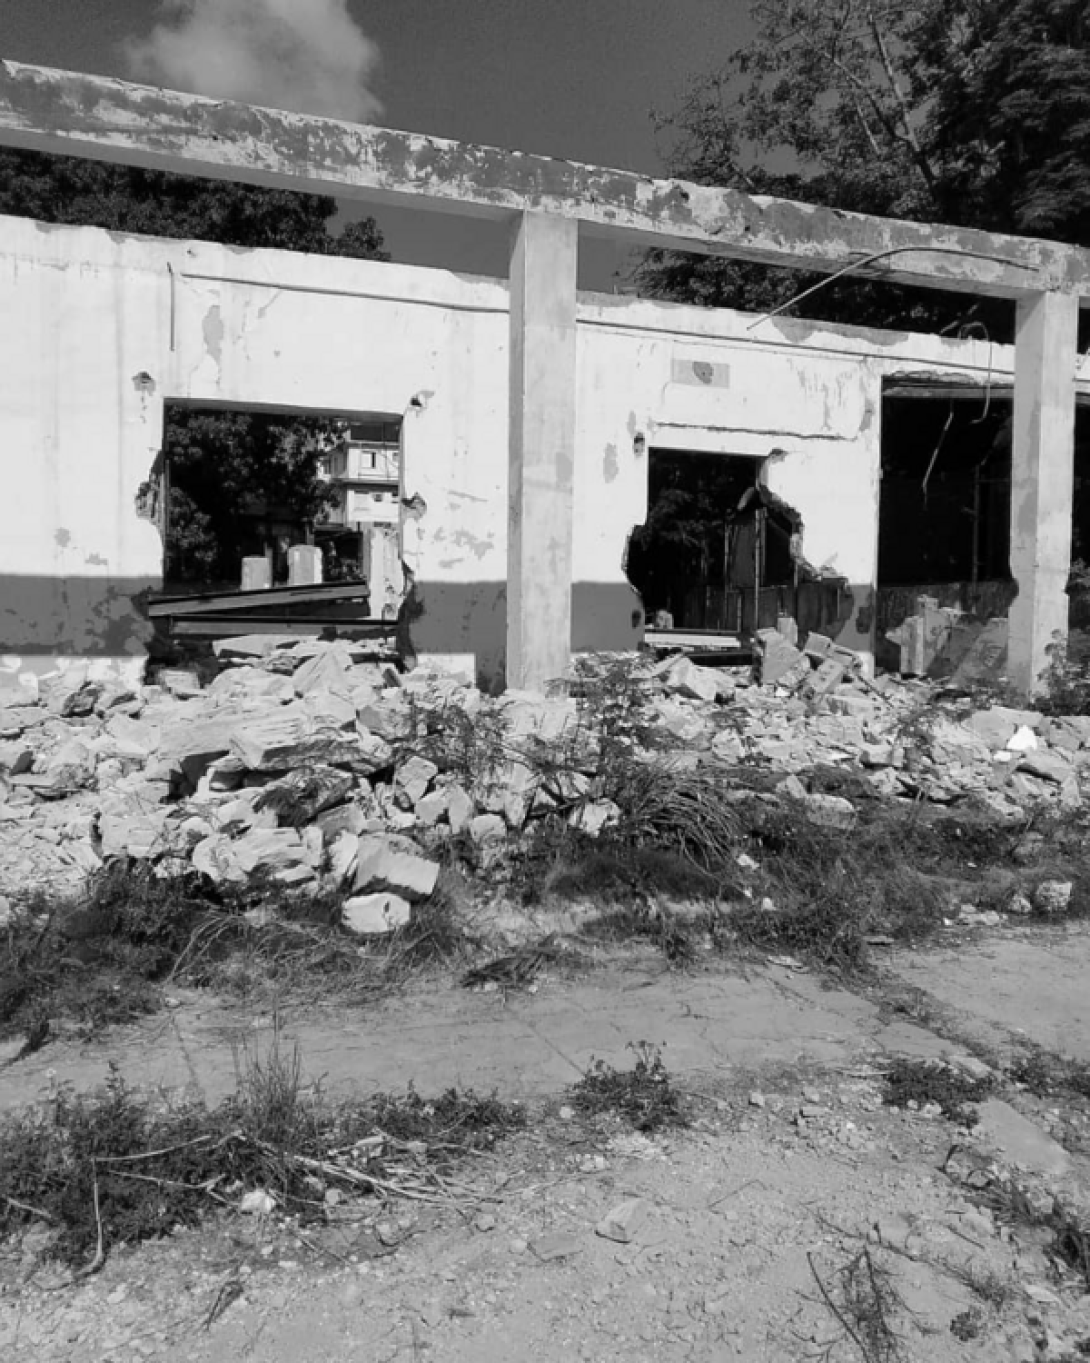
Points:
x=610, y=464
x=213, y=330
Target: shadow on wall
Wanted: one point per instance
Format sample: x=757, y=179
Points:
x=470, y=618
x=92, y=617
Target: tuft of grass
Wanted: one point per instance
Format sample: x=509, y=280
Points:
x=644, y=1096
x=115, y=1166
x=1046, y=1075
x=968, y=1325
x=923, y=1081
x=103, y=959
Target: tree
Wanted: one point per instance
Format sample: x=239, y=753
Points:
x=77, y=192
x=1009, y=124
x=231, y=474
x=972, y=112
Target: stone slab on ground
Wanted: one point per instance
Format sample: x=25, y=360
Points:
x=436, y=1035
x=1020, y=1141
x=1031, y=982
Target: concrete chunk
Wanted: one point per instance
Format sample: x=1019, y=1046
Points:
x=412, y=780
x=384, y=865
x=1019, y=1140
x=372, y=914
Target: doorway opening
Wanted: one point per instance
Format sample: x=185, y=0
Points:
x=718, y=552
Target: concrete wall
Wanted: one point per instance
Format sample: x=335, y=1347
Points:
x=98, y=330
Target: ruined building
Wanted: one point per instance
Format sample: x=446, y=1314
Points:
x=534, y=422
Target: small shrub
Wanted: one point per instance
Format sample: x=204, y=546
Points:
x=643, y=1096
x=114, y=1166
x=1067, y=679
x=923, y=1082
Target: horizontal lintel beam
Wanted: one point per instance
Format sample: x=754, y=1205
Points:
x=82, y=115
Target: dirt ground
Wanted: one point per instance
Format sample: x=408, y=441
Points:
x=797, y=1217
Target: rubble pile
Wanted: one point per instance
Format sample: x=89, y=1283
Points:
x=314, y=763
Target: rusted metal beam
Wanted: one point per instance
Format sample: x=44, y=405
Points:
x=83, y=115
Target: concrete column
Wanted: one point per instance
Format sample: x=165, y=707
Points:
x=1042, y=479
x=542, y=449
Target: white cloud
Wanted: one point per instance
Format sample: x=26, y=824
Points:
x=306, y=55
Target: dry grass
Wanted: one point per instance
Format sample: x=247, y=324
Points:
x=116, y=1166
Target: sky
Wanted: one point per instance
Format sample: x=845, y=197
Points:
x=571, y=78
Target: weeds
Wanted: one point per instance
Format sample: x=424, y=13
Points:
x=104, y=959
x=113, y=1166
x=1046, y=1075
x=644, y=1097
x=923, y=1083
x=865, y=1302
x=1066, y=679
x=968, y=1325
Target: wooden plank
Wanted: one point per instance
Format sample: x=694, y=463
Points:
x=222, y=602
x=222, y=627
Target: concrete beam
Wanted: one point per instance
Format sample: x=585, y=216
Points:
x=541, y=512
x=82, y=115
x=1042, y=480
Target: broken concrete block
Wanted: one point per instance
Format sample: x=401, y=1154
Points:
x=19, y=718
x=622, y=1222
x=556, y=1245
x=460, y=808
x=1019, y=1140
x=986, y=661
x=923, y=637
x=281, y=741
x=857, y=704
x=685, y=723
x=685, y=678
x=1053, y=896
x=330, y=710
x=15, y=758
x=487, y=828
x=269, y=850
x=792, y=788
x=529, y=715
x=215, y=858
x=829, y=811
x=1022, y=740
x=225, y=773
x=346, y=818
x=325, y=671
x=412, y=781
x=16, y=690
x=344, y=849
x=196, y=742
x=390, y=719
x=131, y=737
x=372, y=914
x=777, y=657
x=301, y=795
x=180, y=682
x=594, y=816
x=385, y=865
x=133, y=833
x=431, y=808
x=252, y=645
x=244, y=685
x=1049, y=766
x=510, y=790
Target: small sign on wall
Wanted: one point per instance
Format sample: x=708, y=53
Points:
x=699, y=373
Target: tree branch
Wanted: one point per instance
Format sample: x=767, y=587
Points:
x=909, y=133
